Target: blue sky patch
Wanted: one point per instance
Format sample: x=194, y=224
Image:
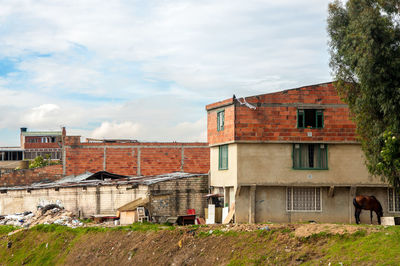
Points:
x=7, y=66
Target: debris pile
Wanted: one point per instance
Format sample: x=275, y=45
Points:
x=49, y=214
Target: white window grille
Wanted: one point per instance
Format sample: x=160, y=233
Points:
x=303, y=199
x=393, y=200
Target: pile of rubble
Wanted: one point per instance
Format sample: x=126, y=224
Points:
x=49, y=214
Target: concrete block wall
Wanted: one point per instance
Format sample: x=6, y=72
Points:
x=168, y=198
x=84, y=201
x=175, y=197
x=29, y=176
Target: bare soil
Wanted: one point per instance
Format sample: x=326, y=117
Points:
x=210, y=245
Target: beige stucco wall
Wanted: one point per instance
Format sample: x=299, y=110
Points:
x=270, y=206
x=221, y=178
x=271, y=164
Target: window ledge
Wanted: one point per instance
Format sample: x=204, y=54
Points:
x=304, y=211
x=294, y=168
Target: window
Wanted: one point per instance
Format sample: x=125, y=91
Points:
x=303, y=199
x=394, y=200
x=220, y=120
x=223, y=157
x=310, y=156
x=310, y=118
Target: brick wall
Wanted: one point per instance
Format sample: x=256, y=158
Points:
x=275, y=118
x=138, y=158
x=39, y=144
x=29, y=176
x=226, y=135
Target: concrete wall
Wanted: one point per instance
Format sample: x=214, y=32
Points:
x=168, y=198
x=271, y=164
x=86, y=200
x=270, y=206
x=220, y=178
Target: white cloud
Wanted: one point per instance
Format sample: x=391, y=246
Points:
x=185, y=131
x=148, y=68
x=44, y=115
x=114, y=130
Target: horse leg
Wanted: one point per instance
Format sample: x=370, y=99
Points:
x=379, y=218
x=357, y=215
x=371, y=216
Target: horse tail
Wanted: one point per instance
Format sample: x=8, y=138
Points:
x=356, y=204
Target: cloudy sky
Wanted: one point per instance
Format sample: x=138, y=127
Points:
x=146, y=69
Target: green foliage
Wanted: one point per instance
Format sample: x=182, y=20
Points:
x=5, y=229
x=39, y=161
x=365, y=59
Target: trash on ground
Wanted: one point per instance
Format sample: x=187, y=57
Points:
x=49, y=214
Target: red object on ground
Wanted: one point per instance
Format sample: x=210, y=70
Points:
x=191, y=211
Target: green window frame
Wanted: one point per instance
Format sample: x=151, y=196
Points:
x=310, y=156
x=310, y=118
x=223, y=157
x=220, y=120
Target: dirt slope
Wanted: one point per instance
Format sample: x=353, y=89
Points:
x=212, y=245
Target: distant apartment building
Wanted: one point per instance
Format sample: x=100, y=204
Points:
x=42, y=143
x=33, y=144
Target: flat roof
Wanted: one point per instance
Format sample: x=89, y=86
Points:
x=11, y=149
x=41, y=133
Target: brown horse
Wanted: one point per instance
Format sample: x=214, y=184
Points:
x=367, y=203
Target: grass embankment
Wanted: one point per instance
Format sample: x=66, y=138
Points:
x=158, y=244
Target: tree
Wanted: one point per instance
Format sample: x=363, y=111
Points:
x=39, y=161
x=365, y=60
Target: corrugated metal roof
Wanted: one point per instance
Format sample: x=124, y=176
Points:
x=74, y=179
x=84, y=180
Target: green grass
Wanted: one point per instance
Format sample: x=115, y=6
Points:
x=5, y=229
x=50, y=244
x=143, y=227
x=379, y=247
x=46, y=244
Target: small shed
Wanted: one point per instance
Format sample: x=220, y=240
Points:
x=128, y=212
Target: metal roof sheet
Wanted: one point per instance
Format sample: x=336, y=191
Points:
x=84, y=180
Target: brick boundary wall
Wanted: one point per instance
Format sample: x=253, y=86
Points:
x=138, y=158
x=29, y=176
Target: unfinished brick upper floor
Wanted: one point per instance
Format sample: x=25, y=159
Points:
x=275, y=117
